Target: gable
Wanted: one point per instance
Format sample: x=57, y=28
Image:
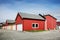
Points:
x=18, y=19
x=50, y=16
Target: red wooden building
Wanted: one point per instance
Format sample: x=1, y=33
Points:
x=26, y=22
x=10, y=25
x=50, y=22
x=58, y=25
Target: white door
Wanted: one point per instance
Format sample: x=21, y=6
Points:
x=14, y=27
x=59, y=27
x=19, y=27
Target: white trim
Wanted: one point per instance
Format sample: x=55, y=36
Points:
x=35, y=25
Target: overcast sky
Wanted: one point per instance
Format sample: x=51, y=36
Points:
x=10, y=8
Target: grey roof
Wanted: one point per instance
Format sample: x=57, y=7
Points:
x=10, y=21
x=32, y=16
x=0, y=24
x=3, y=23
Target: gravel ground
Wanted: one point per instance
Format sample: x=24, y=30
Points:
x=16, y=35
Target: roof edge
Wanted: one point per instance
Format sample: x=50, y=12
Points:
x=51, y=16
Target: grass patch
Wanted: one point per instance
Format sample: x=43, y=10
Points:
x=35, y=30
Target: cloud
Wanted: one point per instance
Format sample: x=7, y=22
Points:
x=7, y=13
x=41, y=1
x=10, y=10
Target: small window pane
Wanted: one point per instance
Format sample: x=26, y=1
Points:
x=33, y=25
x=36, y=25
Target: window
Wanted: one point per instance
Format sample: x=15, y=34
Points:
x=35, y=25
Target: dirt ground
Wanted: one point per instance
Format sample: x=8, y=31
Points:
x=17, y=35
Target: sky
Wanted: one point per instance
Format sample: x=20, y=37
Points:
x=10, y=8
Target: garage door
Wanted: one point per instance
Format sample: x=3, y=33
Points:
x=8, y=27
x=19, y=27
x=11, y=27
x=14, y=27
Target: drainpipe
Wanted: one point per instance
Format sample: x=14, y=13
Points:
x=45, y=21
x=45, y=24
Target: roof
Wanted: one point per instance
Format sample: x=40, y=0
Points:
x=51, y=16
x=0, y=24
x=31, y=16
x=3, y=23
x=10, y=21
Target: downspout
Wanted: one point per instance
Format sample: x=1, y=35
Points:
x=45, y=24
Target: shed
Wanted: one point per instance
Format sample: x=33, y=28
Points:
x=28, y=22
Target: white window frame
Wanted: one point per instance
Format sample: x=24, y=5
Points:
x=35, y=25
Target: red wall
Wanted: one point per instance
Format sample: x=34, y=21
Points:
x=19, y=19
x=27, y=24
x=51, y=22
